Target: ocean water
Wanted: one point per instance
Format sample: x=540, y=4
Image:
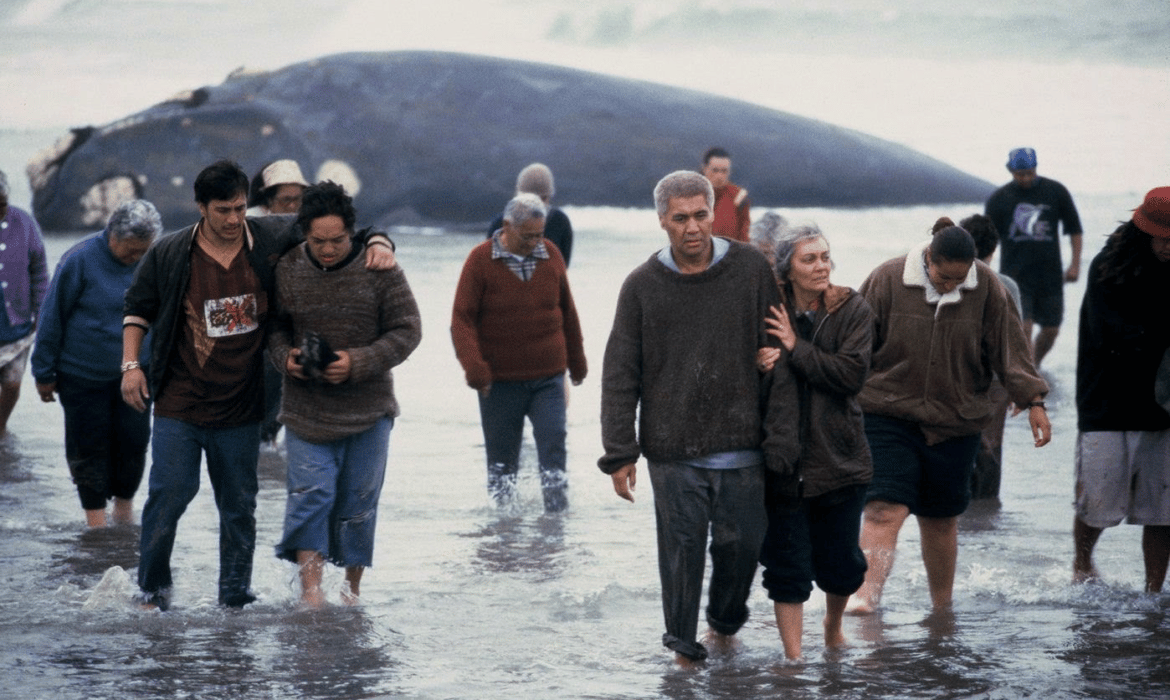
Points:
x=466, y=601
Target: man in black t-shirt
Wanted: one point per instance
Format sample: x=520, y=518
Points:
x=1028, y=213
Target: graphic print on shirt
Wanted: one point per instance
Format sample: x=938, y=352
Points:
x=230, y=315
x=222, y=318
x=1028, y=223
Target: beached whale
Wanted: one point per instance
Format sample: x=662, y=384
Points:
x=437, y=138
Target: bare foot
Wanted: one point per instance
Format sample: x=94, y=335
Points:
x=859, y=606
x=95, y=518
x=1083, y=575
x=153, y=602
x=123, y=511
x=720, y=644
x=686, y=663
x=351, y=589
x=834, y=637
x=313, y=598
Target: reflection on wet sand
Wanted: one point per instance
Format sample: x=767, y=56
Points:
x=516, y=544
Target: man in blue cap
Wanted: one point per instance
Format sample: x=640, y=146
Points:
x=1028, y=213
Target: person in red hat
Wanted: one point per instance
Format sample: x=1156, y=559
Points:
x=1123, y=444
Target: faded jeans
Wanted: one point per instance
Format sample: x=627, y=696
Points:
x=502, y=414
x=333, y=492
x=177, y=450
x=691, y=503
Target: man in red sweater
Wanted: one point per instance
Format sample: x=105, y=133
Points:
x=732, y=207
x=516, y=331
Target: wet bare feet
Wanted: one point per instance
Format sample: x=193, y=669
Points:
x=351, y=591
x=859, y=606
x=153, y=602
x=686, y=663
x=313, y=597
x=834, y=637
x=1085, y=575
x=123, y=511
x=720, y=644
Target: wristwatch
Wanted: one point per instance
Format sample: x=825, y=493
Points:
x=127, y=366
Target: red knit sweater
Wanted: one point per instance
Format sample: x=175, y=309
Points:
x=732, y=219
x=506, y=329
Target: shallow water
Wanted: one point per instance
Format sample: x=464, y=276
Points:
x=465, y=601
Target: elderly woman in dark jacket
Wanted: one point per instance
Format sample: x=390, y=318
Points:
x=814, y=514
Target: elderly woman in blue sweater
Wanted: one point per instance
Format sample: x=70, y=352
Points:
x=78, y=354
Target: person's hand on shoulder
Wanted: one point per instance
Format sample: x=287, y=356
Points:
x=380, y=253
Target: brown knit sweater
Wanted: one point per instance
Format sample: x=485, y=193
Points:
x=372, y=315
x=506, y=329
x=679, y=379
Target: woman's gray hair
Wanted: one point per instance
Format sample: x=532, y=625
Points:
x=682, y=183
x=786, y=243
x=537, y=179
x=523, y=208
x=137, y=219
x=3, y=184
x=766, y=231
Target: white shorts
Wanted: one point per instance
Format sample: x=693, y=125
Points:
x=1123, y=476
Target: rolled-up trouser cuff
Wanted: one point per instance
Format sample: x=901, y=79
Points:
x=726, y=628
x=691, y=650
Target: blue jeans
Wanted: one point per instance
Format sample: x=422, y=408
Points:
x=333, y=491
x=502, y=414
x=177, y=449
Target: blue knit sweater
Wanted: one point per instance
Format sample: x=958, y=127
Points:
x=80, y=328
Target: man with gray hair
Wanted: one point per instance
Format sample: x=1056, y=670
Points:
x=24, y=279
x=78, y=357
x=680, y=386
x=537, y=179
x=516, y=331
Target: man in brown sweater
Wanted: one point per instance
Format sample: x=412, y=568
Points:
x=516, y=331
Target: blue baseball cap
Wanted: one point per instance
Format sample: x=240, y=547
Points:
x=1022, y=159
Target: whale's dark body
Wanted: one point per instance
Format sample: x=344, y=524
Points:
x=439, y=137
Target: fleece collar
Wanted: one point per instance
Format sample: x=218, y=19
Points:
x=914, y=275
